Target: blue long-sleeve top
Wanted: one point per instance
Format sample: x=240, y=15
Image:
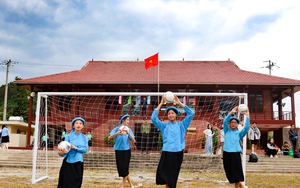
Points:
x=81, y=142
x=121, y=141
x=173, y=133
x=233, y=137
x=4, y=132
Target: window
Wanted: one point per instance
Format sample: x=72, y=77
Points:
x=60, y=103
x=112, y=105
x=256, y=101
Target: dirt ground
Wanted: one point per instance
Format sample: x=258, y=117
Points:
x=21, y=178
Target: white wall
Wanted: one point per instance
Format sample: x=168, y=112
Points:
x=18, y=140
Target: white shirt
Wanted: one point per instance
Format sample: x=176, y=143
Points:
x=208, y=132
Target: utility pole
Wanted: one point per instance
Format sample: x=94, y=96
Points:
x=271, y=64
x=8, y=64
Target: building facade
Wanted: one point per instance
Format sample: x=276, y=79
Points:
x=178, y=76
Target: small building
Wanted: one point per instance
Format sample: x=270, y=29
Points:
x=18, y=131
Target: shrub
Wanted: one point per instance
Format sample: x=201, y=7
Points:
x=109, y=142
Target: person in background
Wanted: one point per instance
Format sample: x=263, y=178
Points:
x=71, y=170
x=272, y=149
x=145, y=129
x=122, y=148
x=4, y=137
x=173, y=133
x=45, y=141
x=215, y=138
x=208, y=143
x=0, y=138
x=254, y=136
x=232, y=149
x=18, y=131
x=293, y=135
x=144, y=106
x=90, y=140
x=286, y=148
x=63, y=134
x=160, y=138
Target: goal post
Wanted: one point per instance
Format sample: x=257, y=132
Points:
x=102, y=110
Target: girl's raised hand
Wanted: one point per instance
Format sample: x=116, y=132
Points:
x=162, y=101
x=234, y=110
x=176, y=99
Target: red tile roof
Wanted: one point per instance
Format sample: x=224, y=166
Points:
x=171, y=72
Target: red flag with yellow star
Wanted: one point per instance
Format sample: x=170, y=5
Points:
x=151, y=61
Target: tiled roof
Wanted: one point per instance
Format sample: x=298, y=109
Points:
x=171, y=72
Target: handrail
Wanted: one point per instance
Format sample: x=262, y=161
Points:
x=286, y=115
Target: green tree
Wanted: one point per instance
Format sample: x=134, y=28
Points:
x=17, y=101
x=215, y=141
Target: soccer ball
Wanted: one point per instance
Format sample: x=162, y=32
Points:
x=169, y=97
x=124, y=129
x=64, y=145
x=242, y=108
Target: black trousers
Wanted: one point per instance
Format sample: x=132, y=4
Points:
x=145, y=142
x=144, y=111
x=272, y=152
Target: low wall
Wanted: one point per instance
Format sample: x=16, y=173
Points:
x=18, y=140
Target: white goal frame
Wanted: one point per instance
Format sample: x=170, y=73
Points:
x=40, y=95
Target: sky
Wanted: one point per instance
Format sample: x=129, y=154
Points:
x=43, y=37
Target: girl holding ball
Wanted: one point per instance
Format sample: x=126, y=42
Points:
x=123, y=136
x=71, y=171
x=232, y=149
x=173, y=133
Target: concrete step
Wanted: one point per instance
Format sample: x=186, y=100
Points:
x=23, y=158
x=283, y=163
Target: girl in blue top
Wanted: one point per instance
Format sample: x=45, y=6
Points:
x=123, y=135
x=71, y=171
x=232, y=149
x=173, y=133
x=63, y=134
x=5, y=137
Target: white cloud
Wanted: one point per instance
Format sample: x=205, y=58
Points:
x=248, y=32
x=48, y=37
x=21, y=7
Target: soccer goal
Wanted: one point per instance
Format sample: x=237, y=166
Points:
x=102, y=110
